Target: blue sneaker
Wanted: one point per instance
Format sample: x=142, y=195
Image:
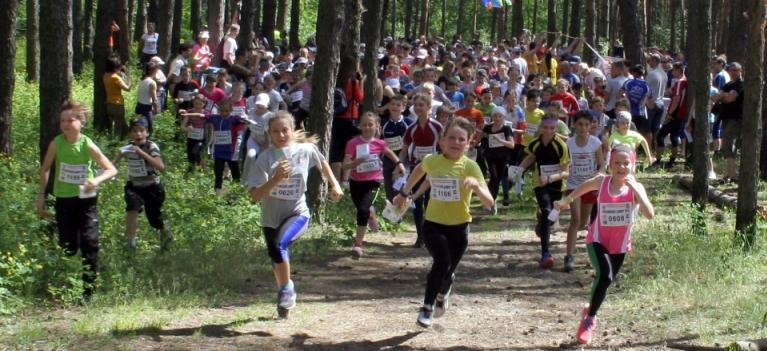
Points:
x=547, y=261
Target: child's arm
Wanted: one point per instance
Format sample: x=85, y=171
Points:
x=415, y=176
x=421, y=190
x=282, y=172
x=645, y=206
x=600, y=160
x=587, y=186
x=45, y=168
x=154, y=161
x=646, y=149
x=109, y=169
x=350, y=163
x=335, y=189
x=481, y=189
x=393, y=157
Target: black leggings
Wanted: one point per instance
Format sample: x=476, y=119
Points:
x=546, y=198
x=420, y=208
x=218, y=171
x=78, y=224
x=446, y=244
x=498, y=171
x=362, y=196
x=193, y=151
x=606, y=266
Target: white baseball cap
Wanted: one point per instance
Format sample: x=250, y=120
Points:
x=262, y=99
x=204, y=35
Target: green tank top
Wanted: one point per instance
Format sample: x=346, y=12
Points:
x=74, y=166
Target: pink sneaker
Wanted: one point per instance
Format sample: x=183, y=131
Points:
x=587, y=326
x=357, y=251
x=372, y=221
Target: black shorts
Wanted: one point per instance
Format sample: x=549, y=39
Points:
x=343, y=130
x=642, y=124
x=150, y=198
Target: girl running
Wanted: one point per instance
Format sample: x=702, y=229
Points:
x=224, y=129
x=194, y=127
x=609, y=237
x=453, y=178
x=278, y=181
x=363, y=158
x=586, y=160
x=75, y=157
x=551, y=158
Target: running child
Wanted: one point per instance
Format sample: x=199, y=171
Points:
x=193, y=124
x=499, y=141
x=609, y=237
x=586, y=160
x=453, y=178
x=393, y=132
x=143, y=189
x=224, y=129
x=551, y=158
x=363, y=157
x=278, y=181
x=75, y=157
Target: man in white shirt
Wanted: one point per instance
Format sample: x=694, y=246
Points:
x=230, y=46
x=615, y=86
x=656, y=80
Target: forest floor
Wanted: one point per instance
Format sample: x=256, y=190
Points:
x=501, y=301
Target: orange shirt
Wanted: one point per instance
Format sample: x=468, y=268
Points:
x=474, y=115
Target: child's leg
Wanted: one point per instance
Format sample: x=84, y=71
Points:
x=572, y=230
x=234, y=167
x=134, y=201
x=277, y=243
x=362, y=197
x=154, y=198
x=457, y=240
x=89, y=240
x=606, y=267
x=437, y=243
x=131, y=225
x=545, y=202
x=218, y=173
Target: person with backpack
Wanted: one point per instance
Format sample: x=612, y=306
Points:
x=346, y=111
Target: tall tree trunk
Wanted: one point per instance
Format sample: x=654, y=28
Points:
x=152, y=11
x=350, y=47
x=632, y=31
x=9, y=11
x=748, y=186
x=394, y=20
x=736, y=41
x=269, y=20
x=87, y=26
x=194, y=17
x=674, y=11
x=604, y=14
x=649, y=22
x=461, y=17
x=257, y=18
x=140, y=20
x=724, y=26
x=517, y=19
x=282, y=10
x=614, y=22
x=384, y=16
x=763, y=154
x=215, y=26
x=565, y=15
x=295, y=21
x=474, y=13
x=551, y=23
x=698, y=89
x=77, y=37
x=372, y=20
x=590, y=31
x=535, y=17
x=55, y=51
x=246, y=23
x=122, y=37
x=175, y=38
x=408, y=18
x=493, y=25
x=165, y=29
x=33, y=44
x=106, y=13
x=131, y=8
x=575, y=19
x=683, y=26
x=444, y=19
x=329, y=23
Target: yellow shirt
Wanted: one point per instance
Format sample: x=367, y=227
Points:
x=532, y=118
x=113, y=90
x=449, y=198
x=532, y=62
x=550, y=158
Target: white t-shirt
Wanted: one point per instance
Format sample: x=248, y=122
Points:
x=583, y=161
x=275, y=99
x=656, y=80
x=594, y=73
x=150, y=43
x=614, y=86
x=145, y=91
x=230, y=47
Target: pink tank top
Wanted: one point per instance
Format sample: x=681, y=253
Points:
x=615, y=217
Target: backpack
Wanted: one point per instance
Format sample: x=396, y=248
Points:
x=339, y=102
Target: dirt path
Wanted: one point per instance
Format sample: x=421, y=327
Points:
x=501, y=301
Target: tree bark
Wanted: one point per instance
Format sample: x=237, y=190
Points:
x=194, y=17
x=632, y=31
x=282, y=10
x=517, y=19
x=77, y=37
x=474, y=20
x=175, y=38
x=350, y=47
x=551, y=26
x=590, y=31
x=9, y=11
x=724, y=26
x=372, y=20
x=736, y=40
x=152, y=10
x=329, y=23
x=165, y=29
x=140, y=20
x=565, y=15
x=106, y=13
x=55, y=51
x=461, y=17
x=33, y=44
x=649, y=22
x=87, y=27
x=246, y=23
x=408, y=18
x=295, y=25
x=683, y=26
x=122, y=37
x=269, y=21
x=493, y=21
x=575, y=19
x=393, y=16
x=745, y=222
x=602, y=23
x=444, y=19
x=763, y=158
x=215, y=25
x=535, y=17
x=698, y=88
x=674, y=10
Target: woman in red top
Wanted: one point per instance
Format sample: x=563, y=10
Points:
x=345, y=122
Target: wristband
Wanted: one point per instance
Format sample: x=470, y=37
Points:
x=404, y=194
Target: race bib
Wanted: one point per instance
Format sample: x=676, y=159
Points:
x=210, y=105
x=445, y=189
x=258, y=129
x=186, y=95
x=195, y=133
x=73, y=174
x=296, y=96
x=496, y=140
x=371, y=164
x=238, y=111
x=288, y=189
x=420, y=152
x=532, y=129
x=137, y=168
x=515, y=172
x=395, y=143
x=222, y=137
x=583, y=165
x=616, y=214
x=549, y=170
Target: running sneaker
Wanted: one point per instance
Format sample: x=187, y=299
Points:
x=547, y=261
x=425, y=317
x=357, y=251
x=441, y=305
x=711, y=175
x=493, y=210
x=587, y=326
x=372, y=221
x=286, y=298
x=166, y=240
x=569, y=263
x=506, y=202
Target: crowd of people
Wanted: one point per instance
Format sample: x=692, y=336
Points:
x=451, y=119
